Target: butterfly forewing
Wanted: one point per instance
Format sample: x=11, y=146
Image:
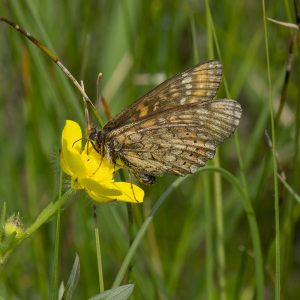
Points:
x=196, y=84
x=175, y=128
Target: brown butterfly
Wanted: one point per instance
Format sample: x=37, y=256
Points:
x=174, y=129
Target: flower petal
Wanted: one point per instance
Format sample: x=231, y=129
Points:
x=89, y=171
x=109, y=191
x=91, y=152
x=130, y=192
x=72, y=135
x=97, y=166
x=105, y=188
x=71, y=161
x=64, y=164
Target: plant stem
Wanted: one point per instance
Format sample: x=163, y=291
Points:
x=98, y=250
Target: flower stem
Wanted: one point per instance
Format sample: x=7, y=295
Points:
x=53, y=291
x=48, y=212
x=131, y=234
x=98, y=250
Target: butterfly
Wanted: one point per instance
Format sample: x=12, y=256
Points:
x=174, y=129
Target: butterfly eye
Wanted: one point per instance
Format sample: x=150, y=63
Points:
x=94, y=133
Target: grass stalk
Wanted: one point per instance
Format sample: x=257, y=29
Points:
x=53, y=292
x=275, y=179
x=98, y=250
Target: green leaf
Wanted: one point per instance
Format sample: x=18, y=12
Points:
x=119, y=293
x=73, y=279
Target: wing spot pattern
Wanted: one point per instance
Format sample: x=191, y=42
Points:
x=209, y=154
x=200, y=161
x=135, y=137
x=193, y=168
x=210, y=145
x=186, y=80
x=170, y=157
x=143, y=109
x=183, y=100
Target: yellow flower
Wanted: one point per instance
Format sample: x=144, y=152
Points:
x=89, y=171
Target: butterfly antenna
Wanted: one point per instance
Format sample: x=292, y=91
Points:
x=87, y=114
x=88, y=122
x=102, y=154
x=77, y=141
x=102, y=99
x=106, y=108
x=101, y=157
x=99, y=77
x=52, y=56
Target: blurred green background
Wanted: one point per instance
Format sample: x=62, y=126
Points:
x=135, y=44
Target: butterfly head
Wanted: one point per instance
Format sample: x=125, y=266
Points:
x=93, y=134
x=97, y=138
x=104, y=147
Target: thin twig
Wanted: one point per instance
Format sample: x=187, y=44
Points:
x=87, y=115
x=280, y=170
x=288, y=69
x=289, y=63
x=52, y=56
x=102, y=99
x=98, y=250
x=285, y=24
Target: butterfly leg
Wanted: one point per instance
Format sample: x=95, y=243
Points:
x=145, y=178
x=101, y=154
x=77, y=141
x=93, y=145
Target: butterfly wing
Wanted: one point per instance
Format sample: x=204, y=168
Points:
x=177, y=141
x=197, y=84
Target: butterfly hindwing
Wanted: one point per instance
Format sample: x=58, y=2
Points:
x=177, y=141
